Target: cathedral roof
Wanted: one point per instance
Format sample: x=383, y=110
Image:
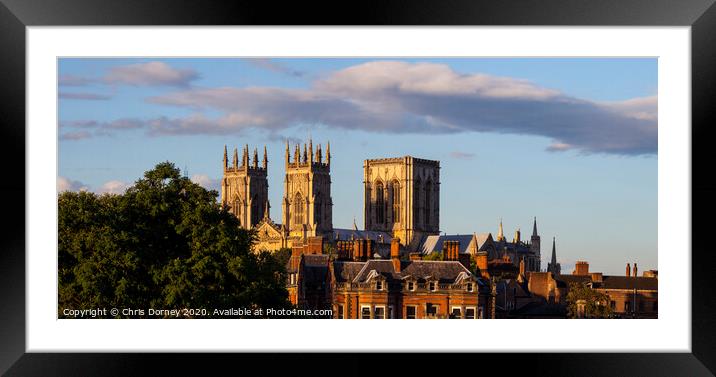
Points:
x=348, y=234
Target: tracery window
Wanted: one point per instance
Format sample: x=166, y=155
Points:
x=379, y=204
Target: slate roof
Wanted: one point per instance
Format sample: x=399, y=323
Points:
x=614, y=282
x=624, y=282
x=442, y=271
x=435, y=243
x=345, y=235
x=347, y=271
x=315, y=268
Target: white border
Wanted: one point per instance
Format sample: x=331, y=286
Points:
x=670, y=333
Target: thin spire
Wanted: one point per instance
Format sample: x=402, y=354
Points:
x=500, y=233
x=297, y=154
x=288, y=153
x=266, y=210
x=265, y=161
x=328, y=154
x=236, y=157
x=256, y=157
x=310, y=151
x=305, y=154
x=226, y=157
x=554, y=251
x=319, y=154
x=246, y=155
x=534, y=228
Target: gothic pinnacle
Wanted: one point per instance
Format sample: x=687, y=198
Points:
x=226, y=157
x=264, y=164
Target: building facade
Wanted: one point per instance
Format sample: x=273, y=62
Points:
x=402, y=196
x=357, y=286
x=244, y=188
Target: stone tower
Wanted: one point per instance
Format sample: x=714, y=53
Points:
x=535, y=246
x=307, y=208
x=244, y=188
x=402, y=196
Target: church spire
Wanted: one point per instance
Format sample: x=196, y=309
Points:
x=297, y=154
x=256, y=158
x=305, y=154
x=266, y=210
x=328, y=154
x=554, y=251
x=534, y=228
x=500, y=233
x=236, y=158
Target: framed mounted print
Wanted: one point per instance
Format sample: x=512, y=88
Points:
x=248, y=188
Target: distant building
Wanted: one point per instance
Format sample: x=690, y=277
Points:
x=630, y=296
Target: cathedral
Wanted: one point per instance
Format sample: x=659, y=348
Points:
x=401, y=201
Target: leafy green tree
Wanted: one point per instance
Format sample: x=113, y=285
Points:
x=435, y=255
x=591, y=303
x=165, y=244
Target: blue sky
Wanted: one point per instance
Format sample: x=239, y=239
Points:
x=571, y=141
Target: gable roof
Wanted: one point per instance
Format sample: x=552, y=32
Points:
x=442, y=271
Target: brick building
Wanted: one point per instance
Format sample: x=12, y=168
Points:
x=355, y=285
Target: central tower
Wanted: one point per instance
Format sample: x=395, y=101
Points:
x=402, y=196
x=307, y=207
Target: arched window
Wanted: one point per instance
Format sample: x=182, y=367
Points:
x=426, y=205
x=396, y=202
x=417, y=202
x=238, y=210
x=298, y=209
x=255, y=208
x=318, y=209
x=379, y=204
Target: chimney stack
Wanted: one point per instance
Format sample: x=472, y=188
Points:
x=522, y=266
x=635, y=271
x=395, y=253
x=628, y=270
x=481, y=262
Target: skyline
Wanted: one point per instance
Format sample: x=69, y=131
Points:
x=594, y=188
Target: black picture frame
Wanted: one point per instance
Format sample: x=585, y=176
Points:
x=16, y=15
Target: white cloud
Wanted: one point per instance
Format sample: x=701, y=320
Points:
x=151, y=73
x=65, y=184
x=399, y=97
x=113, y=187
x=204, y=181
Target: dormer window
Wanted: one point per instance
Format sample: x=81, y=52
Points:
x=432, y=286
x=411, y=286
x=379, y=285
x=469, y=287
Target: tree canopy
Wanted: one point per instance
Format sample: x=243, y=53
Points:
x=585, y=302
x=165, y=244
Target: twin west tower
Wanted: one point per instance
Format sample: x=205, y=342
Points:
x=401, y=197
x=306, y=208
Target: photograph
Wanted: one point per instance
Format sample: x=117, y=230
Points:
x=357, y=187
